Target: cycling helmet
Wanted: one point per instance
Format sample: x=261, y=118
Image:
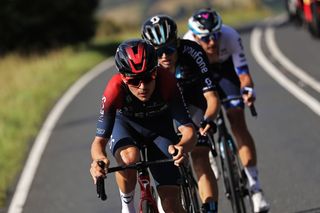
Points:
x=135, y=57
x=159, y=30
x=205, y=21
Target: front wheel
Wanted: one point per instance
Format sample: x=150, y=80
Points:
x=232, y=176
x=189, y=191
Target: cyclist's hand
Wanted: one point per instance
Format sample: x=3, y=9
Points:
x=248, y=95
x=96, y=171
x=177, y=153
x=206, y=126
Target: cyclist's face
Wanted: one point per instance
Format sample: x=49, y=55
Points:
x=142, y=88
x=209, y=43
x=167, y=55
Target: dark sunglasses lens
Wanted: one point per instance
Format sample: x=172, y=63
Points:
x=137, y=81
x=207, y=38
x=165, y=50
x=134, y=81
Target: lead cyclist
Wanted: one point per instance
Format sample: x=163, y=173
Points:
x=230, y=72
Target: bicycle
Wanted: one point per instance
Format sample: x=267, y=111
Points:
x=148, y=202
x=234, y=177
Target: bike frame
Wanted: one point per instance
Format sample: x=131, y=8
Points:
x=146, y=189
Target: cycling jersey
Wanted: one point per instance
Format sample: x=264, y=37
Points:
x=194, y=78
x=192, y=73
x=130, y=121
x=231, y=63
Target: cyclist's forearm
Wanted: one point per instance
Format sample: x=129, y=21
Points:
x=213, y=105
x=188, y=139
x=98, y=148
x=246, y=80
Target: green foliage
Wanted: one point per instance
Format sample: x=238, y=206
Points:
x=38, y=24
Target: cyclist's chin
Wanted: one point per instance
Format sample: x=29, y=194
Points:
x=166, y=64
x=143, y=97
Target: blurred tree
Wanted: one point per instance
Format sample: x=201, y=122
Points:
x=41, y=24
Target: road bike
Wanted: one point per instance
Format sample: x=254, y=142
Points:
x=234, y=177
x=148, y=198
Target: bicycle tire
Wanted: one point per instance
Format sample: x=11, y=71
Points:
x=189, y=192
x=232, y=178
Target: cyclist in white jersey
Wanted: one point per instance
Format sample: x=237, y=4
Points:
x=230, y=72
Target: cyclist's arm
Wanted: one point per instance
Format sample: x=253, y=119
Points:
x=109, y=105
x=189, y=138
x=241, y=67
x=213, y=107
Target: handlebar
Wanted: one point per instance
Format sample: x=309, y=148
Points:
x=138, y=165
x=252, y=108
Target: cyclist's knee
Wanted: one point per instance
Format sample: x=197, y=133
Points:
x=127, y=155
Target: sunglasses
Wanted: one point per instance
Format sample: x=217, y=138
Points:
x=212, y=36
x=168, y=50
x=137, y=81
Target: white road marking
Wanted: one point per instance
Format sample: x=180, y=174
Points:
x=30, y=168
x=284, y=61
x=305, y=98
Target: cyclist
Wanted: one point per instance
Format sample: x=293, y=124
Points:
x=230, y=71
x=188, y=62
x=138, y=104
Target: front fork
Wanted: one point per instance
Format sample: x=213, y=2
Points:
x=145, y=189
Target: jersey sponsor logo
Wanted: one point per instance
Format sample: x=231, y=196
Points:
x=103, y=101
x=198, y=57
x=208, y=82
x=100, y=131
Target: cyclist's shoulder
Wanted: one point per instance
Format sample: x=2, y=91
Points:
x=115, y=87
x=189, y=51
x=189, y=36
x=229, y=36
x=230, y=31
x=185, y=43
x=115, y=83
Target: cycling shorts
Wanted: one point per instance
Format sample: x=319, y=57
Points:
x=156, y=135
x=228, y=83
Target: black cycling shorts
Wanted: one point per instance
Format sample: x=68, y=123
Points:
x=156, y=135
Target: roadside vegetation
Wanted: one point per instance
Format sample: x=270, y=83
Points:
x=32, y=83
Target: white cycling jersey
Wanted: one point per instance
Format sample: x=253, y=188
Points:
x=230, y=45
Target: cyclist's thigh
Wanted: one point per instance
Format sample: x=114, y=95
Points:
x=122, y=135
x=167, y=173
x=228, y=84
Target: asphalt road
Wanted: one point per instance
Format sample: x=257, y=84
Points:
x=286, y=134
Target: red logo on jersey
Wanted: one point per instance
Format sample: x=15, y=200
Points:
x=137, y=59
